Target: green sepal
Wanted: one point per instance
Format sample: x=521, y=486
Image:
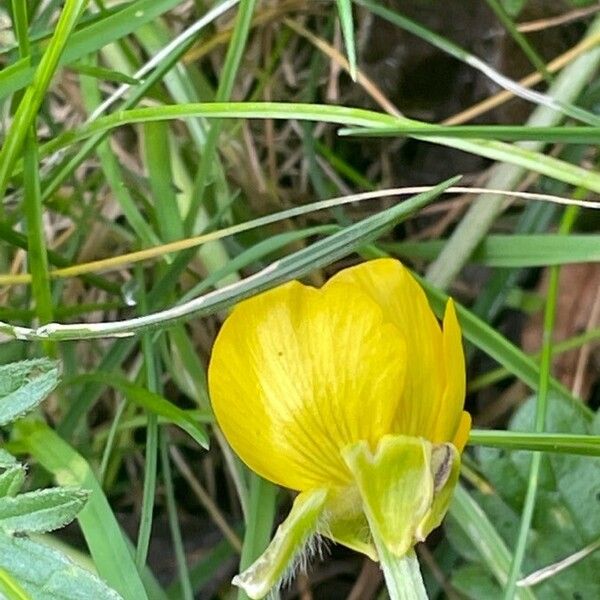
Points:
x=445, y=469
x=289, y=541
x=396, y=486
x=345, y=523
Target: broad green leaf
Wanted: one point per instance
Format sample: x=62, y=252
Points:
x=7, y=460
x=46, y=574
x=41, y=510
x=475, y=582
x=23, y=385
x=108, y=547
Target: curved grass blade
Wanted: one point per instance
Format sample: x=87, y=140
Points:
x=321, y=253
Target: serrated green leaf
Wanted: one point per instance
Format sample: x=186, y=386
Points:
x=41, y=510
x=12, y=480
x=23, y=385
x=108, y=547
x=46, y=574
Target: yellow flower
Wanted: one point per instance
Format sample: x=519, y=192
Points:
x=351, y=394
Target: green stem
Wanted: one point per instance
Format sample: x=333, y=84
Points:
x=402, y=575
x=152, y=441
x=540, y=416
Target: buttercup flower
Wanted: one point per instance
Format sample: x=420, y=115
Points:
x=352, y=395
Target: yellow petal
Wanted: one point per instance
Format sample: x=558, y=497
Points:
x=462, y=433
x=404, y=304
x=451, y=408
x=297, y=374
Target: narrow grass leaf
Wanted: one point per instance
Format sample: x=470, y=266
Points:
x=560, y=443
x=514, y=250
x=319, y=254
x=469, y=516
x=152, y=402
x=347, y=22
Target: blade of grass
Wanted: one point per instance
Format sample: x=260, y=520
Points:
x=259, y=523
x=347, y=23
x=25, y=115
x=563, y=443
x=482, y=214
x=227, y=76
x=514, y=250
x=505, y=133
x=548, y=101
x=152, y=441
x=185, y=586
x=523, y=158
x=540, y=415
x=89, y=39
x=529, y=51
x=36, y=247
x=469, y=516
x=563, y=346
x=149, y=400
x=158, y=165
x=321, y=253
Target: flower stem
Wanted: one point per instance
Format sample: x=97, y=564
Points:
x=402, y=575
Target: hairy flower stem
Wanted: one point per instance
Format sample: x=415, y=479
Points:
x=402, y=575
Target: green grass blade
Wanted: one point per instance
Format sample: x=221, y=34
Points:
x=233, y=59
x=562, y=443
x=151, y=401
x=482, y=214
x=319, y=254
x=28, y=107
x=523, y=158
x=504, y=133
x=514, y=251
x=347, y=23
x=529, y=51
x=540, y=415
x=259, y=524
x=89, y=39
x=474, y=522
